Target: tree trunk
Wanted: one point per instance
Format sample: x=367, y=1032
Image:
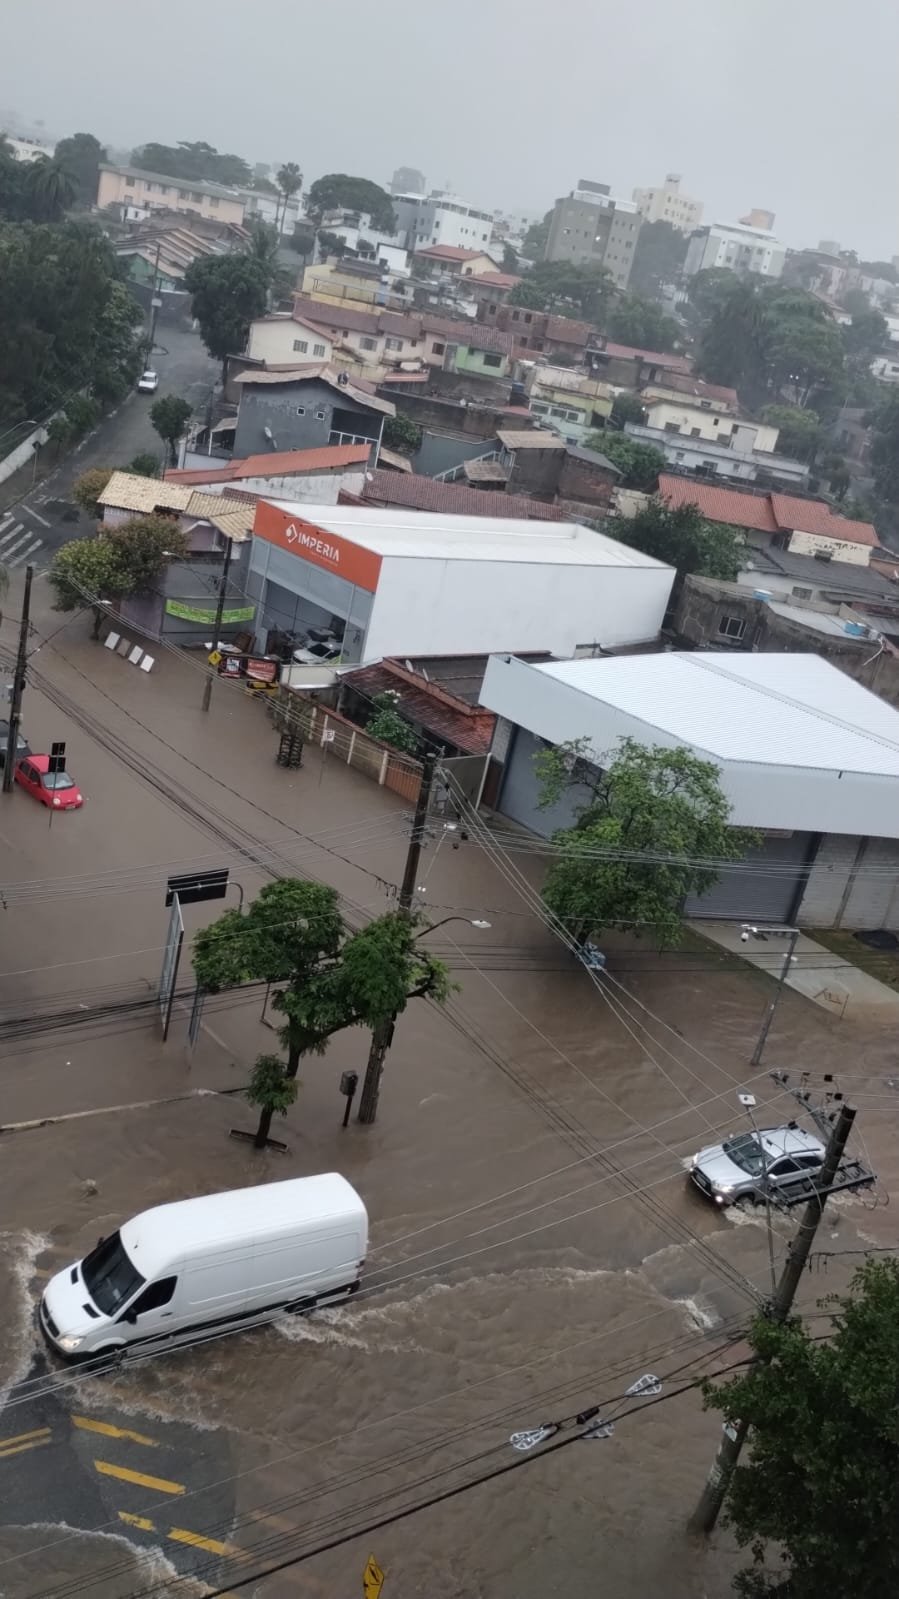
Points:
x=98, y=621
x=293, y=1060
x=371, y=1088
x=262, y=1131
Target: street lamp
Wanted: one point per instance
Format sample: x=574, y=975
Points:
x=749, y=930
x=473, y=921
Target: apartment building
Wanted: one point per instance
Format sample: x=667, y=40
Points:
x=591, y=227
x=154, y=191
x=439, y=218
x=668, y=203
x=735, y=247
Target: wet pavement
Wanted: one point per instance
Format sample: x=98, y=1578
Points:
x=535, y=1247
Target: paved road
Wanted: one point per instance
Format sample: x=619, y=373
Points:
x=33, y=527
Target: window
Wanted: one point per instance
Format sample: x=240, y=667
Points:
x=320, y=414
x=516, y=315
x=802, y=594
x=493, y=360
x=732, y=626
x=318, y=349
x=672, y=427
x=438, y=349
x=696, y=433
x=528, y=317
x=393, y=344
x=197, y=197
x=368, y=344
x=109, y=1274
x=129, y=183
x=302, y=345
x=154, y=1297
x=301, y=410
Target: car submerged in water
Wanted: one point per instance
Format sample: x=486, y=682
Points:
x=749, y=1167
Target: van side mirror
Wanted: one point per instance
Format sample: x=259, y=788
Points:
x=130, y=1316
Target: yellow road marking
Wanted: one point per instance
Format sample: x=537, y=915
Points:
x=20, y=1448
x=87, y=1424
x=211, y=1545
x=160, y=1485
x=22, y=1437
x=137, y=1521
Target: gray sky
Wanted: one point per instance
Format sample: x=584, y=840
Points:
x=789, y=105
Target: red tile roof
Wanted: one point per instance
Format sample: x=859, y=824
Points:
x=813, y=516
x=566, y=330
x=419, y=493
x=496, y=280
x=731, y=506
x=469, y=727
x=452, y=252
x=280, y=463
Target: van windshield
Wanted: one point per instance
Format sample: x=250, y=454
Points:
x=109, y=1276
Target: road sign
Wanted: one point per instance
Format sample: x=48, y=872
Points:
x=170, y=962
x=193, y=887
x=372, y=1579
x=57, y=758
x=214, y=657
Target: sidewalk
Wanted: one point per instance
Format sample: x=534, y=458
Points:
x=821, y=975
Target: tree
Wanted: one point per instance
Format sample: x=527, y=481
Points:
x=272, y=1090
x=566, y=288
x=60, y=431
x=114, y=563
x=227, y=293
x=81, y=155
x=144, y=464
x=290, y=181
x=866, y=336
x=626, y=407
x=170, y=416
x=510, y=259
x=51, y=187
x=327, y=978
x=389, y=726
x=87, y=489
x=83, y=412
x=884, y=423
x=681, y=536
x=146, y=545
x=639, y=801
x=640, y=463
x=816, y=1500
x=338, y=191
x=766, y=339
x=641, y=324
x=856, y=302
x=331, y=244
x=536, y=238
x=199, y=162
x=799, y=432
x=264, y=250
x=302, y=239
x=402, y=433
x=659, y=256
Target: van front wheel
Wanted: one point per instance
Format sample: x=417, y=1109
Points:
x=300, y=1307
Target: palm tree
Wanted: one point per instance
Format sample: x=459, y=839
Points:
x=290, y=181
x=263, y=250
x=51, y=187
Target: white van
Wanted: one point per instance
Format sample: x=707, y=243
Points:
x=209, y=1264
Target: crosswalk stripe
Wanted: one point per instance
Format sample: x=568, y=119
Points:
x=19, y=528
x=26, y=554
x=11, y=548
x=5, y=520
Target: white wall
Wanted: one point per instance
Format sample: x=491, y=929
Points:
x=713, y=427
x=841, y=549
x=458, y=607
x=274, y=342
x=761, y=795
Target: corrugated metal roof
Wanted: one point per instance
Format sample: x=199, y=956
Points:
x=319, y=373
x=427, y=494
x=782, y=709
x=529, y=439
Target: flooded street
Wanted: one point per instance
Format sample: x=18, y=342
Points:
x=534, y=1249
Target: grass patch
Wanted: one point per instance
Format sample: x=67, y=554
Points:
x=880, y=963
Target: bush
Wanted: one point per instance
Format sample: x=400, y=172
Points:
x=401, y=433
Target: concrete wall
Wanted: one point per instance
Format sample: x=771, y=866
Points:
x=446, y=416
x=160, y=194
x=275, y=342
x=841, y=549
x=276, y=407
x=585, y=482
x=854, y=883
x=536, y=472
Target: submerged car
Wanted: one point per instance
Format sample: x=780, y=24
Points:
x=54, y=789
x=749, y=1166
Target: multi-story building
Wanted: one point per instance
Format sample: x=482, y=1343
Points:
x=592, y=228
x=439, y=218
x=27, y=149
x=735, y=247
x=154, y=191
x=407, y=180
x=668, y=204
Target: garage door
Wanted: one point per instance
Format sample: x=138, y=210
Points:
x=763, y=888
x=520, y=791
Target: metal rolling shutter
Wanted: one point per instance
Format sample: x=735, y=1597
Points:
x=767, y=894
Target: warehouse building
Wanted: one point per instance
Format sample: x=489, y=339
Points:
x=807, y=757
x=403, y=583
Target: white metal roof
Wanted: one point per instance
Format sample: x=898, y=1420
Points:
x=425, y=535
x=165, y=1233
x=790, y=710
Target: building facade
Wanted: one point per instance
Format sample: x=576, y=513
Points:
x=153, y=191
x=292, y=411
x=590, y=227
x=736, y=248
x=668, y=203
x=439, y=218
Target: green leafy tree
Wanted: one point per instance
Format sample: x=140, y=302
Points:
x=641, y=324
x=290, y=182
x=83, y=412
x=402, y=433
x=263, y=249
x=327, y=978
x=196, y=161
x=302, y=239
x=331, y=244
x=272, y=1090
x=638, y=801
x=681, y=536
x=510, y=259
x=170, y=416
x=816, y=1500
x=338, y=191
x=60, y=431
x=387, y=725
x=640, y=463
x=835, y=470
x=144, y=464
x=567, y=289
x=885, y=449
x=81, y=155
x=659, y=257
x=866, y=336
x=51, y=187
x=113, y=564
x=626, y=407
x=87, y=489
x=147, y=544
x=536, y=238
x=856, y=302
x=227, y=293
x=799, y=432
x=765, y=339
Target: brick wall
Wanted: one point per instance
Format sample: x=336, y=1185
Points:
x=585, y=481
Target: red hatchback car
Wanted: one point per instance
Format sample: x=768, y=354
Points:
x=55, y=789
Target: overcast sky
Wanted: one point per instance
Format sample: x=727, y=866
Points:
x=788, y=105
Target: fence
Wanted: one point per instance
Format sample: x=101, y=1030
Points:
x=346, y=742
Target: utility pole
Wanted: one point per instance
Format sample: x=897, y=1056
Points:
x=217, y=624
x=382, y=1037
x=791, y=933
x=15, y=704
x=733, y=1436
x=154, y=307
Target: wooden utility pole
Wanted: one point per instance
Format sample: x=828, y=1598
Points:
x=15, y=704
x=382, y=1037
x=217, y=624
x=733, y=1436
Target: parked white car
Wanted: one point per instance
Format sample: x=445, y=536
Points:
x=148, y=382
